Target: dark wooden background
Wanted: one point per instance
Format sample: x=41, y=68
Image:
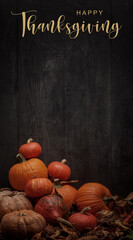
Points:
x=74, y=97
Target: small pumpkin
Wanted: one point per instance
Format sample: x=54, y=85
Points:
x=59, y=170
x=38, y=187
x=22, y=224
x=14, y=201
x=30, y=149
x=51, y=207
x=21, y=173
x=83, y=220
x=67, y=192
x=92, y=194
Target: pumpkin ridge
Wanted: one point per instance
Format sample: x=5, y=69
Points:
x=20, y=223
x=16, y=202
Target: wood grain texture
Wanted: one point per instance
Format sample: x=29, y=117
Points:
x=8, y=90
x=72, y=96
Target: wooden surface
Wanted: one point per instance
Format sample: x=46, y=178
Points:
x=72, y=96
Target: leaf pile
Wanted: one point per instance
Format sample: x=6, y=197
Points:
x=113, y=224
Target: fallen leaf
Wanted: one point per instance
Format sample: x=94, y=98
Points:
x=49, y=229
x=56, y=234
x=67, y=229
x=129, y=197
x=38, y=236
x=91, y=237
x=118, y=222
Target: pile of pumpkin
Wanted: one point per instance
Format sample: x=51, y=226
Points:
x=43, y=195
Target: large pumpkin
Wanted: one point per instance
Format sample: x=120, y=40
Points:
x=21, y=173
x=30, y=149
x=92, y=194
x=22, y=224
x=14, y=201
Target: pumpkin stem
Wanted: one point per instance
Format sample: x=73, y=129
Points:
x=57, y=183
x=34, y=176
x=30, y=140
x=21, y=214
x=64, y=161
x=64, y=221
x=67, y=182
x=85, y=209
x=21, y=158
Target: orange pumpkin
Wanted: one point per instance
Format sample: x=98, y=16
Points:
x=21, y=173
x=38, y=187
x=59, y=170
x=30, y=149
x=67, y=192
x=92, y=194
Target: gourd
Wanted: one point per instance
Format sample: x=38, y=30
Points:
x=38, y=187
x=59, y=170
x=14, y=201
x=51, y=207
x=92, y=194
x=30, y=149
x=21, y=173
x=22, y=224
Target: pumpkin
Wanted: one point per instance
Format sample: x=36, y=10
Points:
x=38, y=187
x=30, y=149
x=14, y=201
x=59, y=170
x=22, y=224
x=4, y=192
x=92, y=194
x=21, y=173
x=67, y=192
x=83, y=220
x=51, y=207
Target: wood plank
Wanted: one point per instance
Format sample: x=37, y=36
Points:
x=122, y=100
x=8, y=90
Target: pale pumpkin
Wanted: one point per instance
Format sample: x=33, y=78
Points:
x=14, y=201
x=22, y=224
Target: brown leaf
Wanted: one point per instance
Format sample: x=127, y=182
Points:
x=129, y=197
x=49, y=229
x=121, y=203
x=71, y=237
x=119, y=223
x=89, y=237
x=38, y=236
x=105, y=216
x=67, y=229
x=56, y=234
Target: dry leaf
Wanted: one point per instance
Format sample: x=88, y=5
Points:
x=67, y=229
x=91, y=237
x=38, y=236
x=49, y=229
x=129, y=197
x=56, y=234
